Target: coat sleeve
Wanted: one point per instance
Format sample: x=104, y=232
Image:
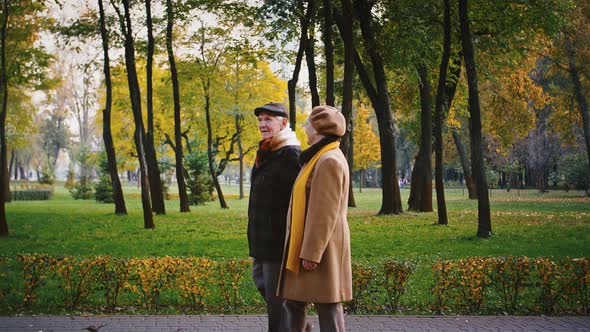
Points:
x=323, y=208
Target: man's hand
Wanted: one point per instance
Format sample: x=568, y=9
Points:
x=309, y=265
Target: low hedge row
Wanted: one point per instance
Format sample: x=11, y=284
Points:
x=31, y=194
x=471, y=285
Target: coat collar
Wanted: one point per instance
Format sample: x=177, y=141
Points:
x=274, y=155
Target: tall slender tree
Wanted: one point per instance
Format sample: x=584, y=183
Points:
x=135, y=98
x=209, y=62
x=310, y=56
x=344, y=21
x=156, y=192
x=3, y=146
x=438, y=116
x=329, y=51
x=304, y=22
x=484, y=225
x=465, y=164
x=421, y=185
x=118, y=198
x=379, y=95
x=239, y=119
x=184, y=204
x=579, y=94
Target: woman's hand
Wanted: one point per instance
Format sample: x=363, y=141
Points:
x=309, y=265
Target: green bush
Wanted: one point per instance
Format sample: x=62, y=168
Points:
x=70, y=180
x=576, y=171
x=82, y=189
x=46, y=177
x=103, y=189
x=31, y=195
x=198, y=181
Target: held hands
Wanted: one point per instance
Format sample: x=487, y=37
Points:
x=309, y=265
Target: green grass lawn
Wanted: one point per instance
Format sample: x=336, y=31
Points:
x=555, y=224
x=525, y=223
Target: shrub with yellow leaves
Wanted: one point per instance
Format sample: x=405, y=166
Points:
x=77, y=278
x=149, y=277
x=509, y=276
x=563, y=283
x=461, y=283
x=395, y=277
x=580, y=283
x=35, y=270
x=2, y=275
x=442, y=284
x=113, y=274
x=229, y=276
x=363, y=275
x=192, y=279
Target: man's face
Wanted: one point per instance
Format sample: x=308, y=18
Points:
x=270, y=124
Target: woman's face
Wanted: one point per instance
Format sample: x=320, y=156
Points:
x=270, y=125
x=312, y=134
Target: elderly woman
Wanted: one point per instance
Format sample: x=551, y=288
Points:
x=316, y=264
x=273, y=175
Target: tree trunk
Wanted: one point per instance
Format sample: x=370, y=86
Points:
x=11, y=163
x=469, y=182
x=329, y=52
x=139, y=135
x=107, y=136
x=391, y=199
x=239, y=117
x=347, y=85
x=439, y=117
x=310, y=59
x=348, y=148
x=156, y=191
x=292, y=83
x=4, y=178
x=16, y=161
x=484, y=227
x=579, y=93
x=421, y=184
x=210, y=155
x=361, y=180
x=184, y=205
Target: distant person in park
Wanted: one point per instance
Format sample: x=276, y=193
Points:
x=317, y=264
x=273, y=175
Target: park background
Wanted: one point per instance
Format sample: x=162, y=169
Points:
x=127, y=134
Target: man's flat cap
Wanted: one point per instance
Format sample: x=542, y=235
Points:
x=274, y=108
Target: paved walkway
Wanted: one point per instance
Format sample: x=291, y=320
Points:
x=258, y=323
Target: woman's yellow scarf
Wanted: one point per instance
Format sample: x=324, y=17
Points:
x=298, y=208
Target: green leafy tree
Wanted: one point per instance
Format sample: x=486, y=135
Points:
x=22, y=67
x=135, y=99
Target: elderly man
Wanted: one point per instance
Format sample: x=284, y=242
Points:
x=273, y=175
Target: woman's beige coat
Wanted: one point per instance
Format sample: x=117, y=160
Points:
x=326, y=238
